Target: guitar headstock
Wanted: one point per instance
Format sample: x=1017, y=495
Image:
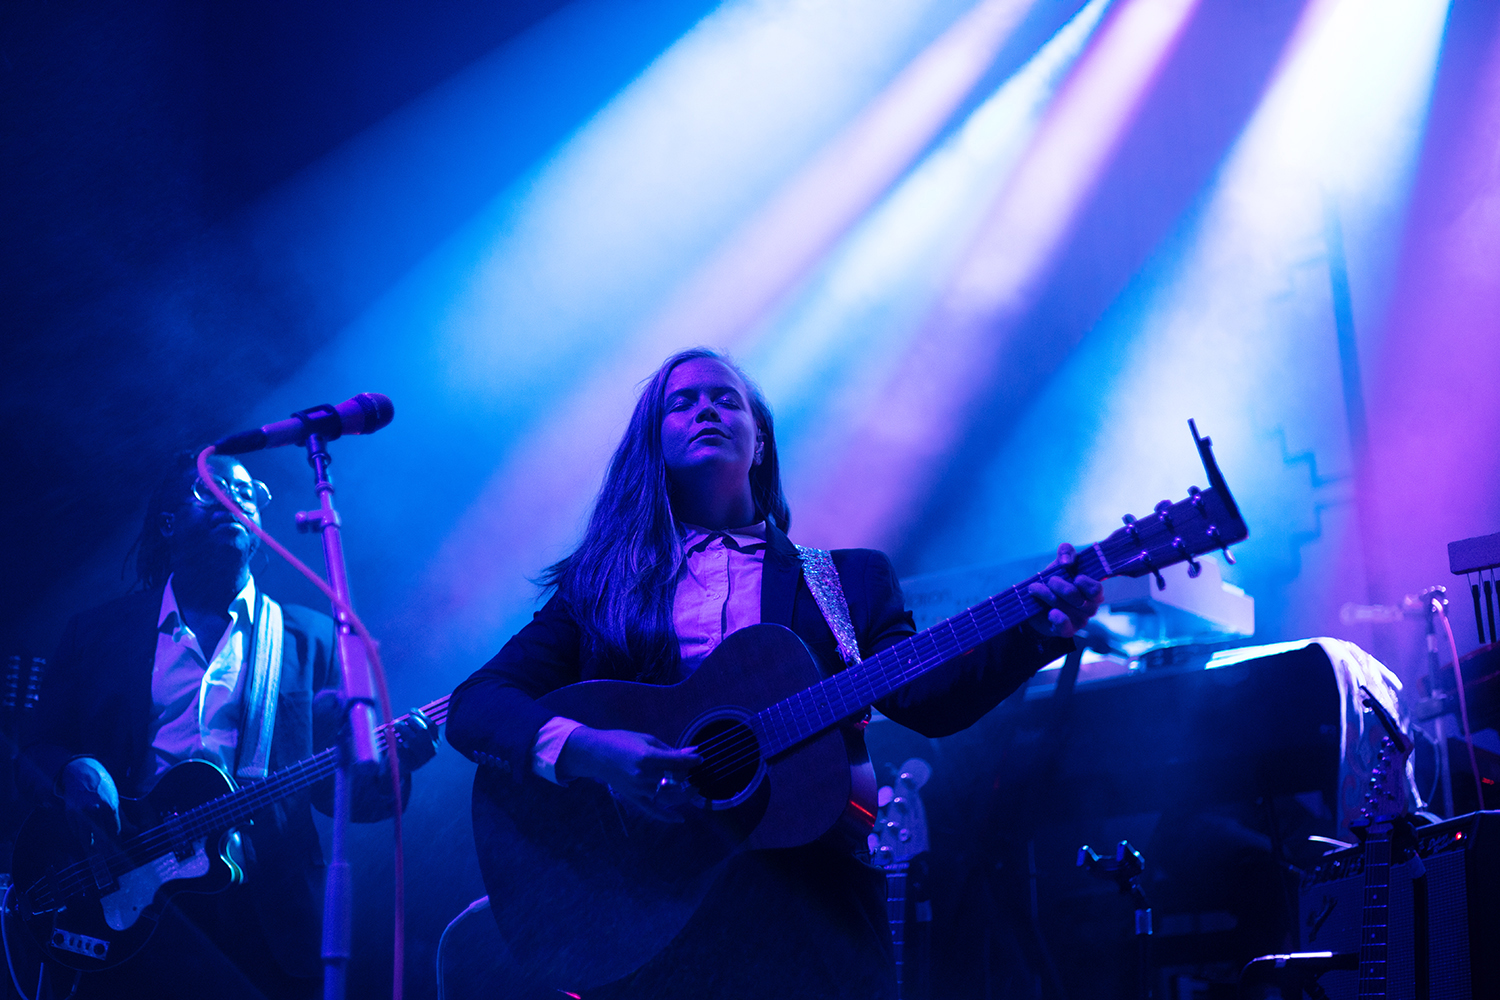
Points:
x=1203, y=521
x=1385, y=799
x=901, y=823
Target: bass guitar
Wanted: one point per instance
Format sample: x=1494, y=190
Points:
x=898, y=843
x=585, y=890
x=92, y=906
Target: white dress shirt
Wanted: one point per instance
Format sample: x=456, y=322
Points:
x=195, y=699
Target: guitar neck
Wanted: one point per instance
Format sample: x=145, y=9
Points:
x=848, y=692
x=895, y=906
x=1375, y=914
x=238, y=806
x=1206, y=520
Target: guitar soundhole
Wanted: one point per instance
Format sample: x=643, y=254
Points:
x=731, y=759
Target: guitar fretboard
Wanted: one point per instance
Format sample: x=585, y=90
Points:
x=1206, y=520
x=1375, y=914
x=792, y=720
x=895, y=912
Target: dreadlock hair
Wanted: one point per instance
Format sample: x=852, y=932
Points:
x=153, y=554
x=620, y=581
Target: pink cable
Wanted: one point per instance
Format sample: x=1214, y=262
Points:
x=377, y=670
x=1463, y=703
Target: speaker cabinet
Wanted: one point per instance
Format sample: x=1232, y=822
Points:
x=1444, y=914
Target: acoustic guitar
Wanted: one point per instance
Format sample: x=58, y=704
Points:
x=92, y=906
x=585, y=890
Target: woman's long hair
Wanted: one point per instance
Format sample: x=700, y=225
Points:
x=620, y=581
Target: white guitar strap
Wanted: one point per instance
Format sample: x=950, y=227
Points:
x=823, y=580
x=262, y=689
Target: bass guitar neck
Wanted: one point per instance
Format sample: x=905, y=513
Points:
x=91, y=905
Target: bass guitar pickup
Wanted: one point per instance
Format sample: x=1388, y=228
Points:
x=80, y=944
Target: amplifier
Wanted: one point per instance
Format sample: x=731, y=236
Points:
x=1444, y=914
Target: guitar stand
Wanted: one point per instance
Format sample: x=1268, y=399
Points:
x=1125, y=870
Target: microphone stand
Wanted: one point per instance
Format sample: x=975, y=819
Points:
x=1434, y=684
x=357, y=702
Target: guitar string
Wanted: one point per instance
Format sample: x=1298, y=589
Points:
x=213, y=815
x=862, y=685
x=220, y=812
x=794, y=719
x=872, y=679
x=852, y=690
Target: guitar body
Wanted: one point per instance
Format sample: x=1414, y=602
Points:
x=584, y=889
x=92, y=906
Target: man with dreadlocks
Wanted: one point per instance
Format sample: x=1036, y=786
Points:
x=687, y=543
x=165, y=674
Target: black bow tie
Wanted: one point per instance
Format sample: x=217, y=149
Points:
x=729, y=542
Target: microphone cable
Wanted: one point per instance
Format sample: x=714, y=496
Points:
x=1463, y=704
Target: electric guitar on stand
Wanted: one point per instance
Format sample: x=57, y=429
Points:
x=92, y=906
x=1385, y=824
x=586, y=892
x=1386, y=829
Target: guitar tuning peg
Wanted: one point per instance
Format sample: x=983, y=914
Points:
x=1213, y=536
x=1128, y=519
x=1194, y=568
x=1161, y=584
x=1163, y=506
x=1193, y=491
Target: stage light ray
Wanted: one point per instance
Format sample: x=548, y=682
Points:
x=1432, y=475
x=839, y=341
x=518, y=318
x=899, y=444
x=775, y=249
x=1232, y=322
x=349, y=226
x=655, y=180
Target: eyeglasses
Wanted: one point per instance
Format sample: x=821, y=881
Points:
x=248, y=494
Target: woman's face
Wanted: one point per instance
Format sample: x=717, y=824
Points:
x=707, y=426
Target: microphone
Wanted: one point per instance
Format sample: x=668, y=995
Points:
x=1371, y=614
x=1411, y=606
x=364, y=414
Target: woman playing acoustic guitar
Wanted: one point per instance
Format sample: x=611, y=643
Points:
x=686, y=553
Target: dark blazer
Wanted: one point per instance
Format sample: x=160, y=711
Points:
x=95, y=700
x=494, y=718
